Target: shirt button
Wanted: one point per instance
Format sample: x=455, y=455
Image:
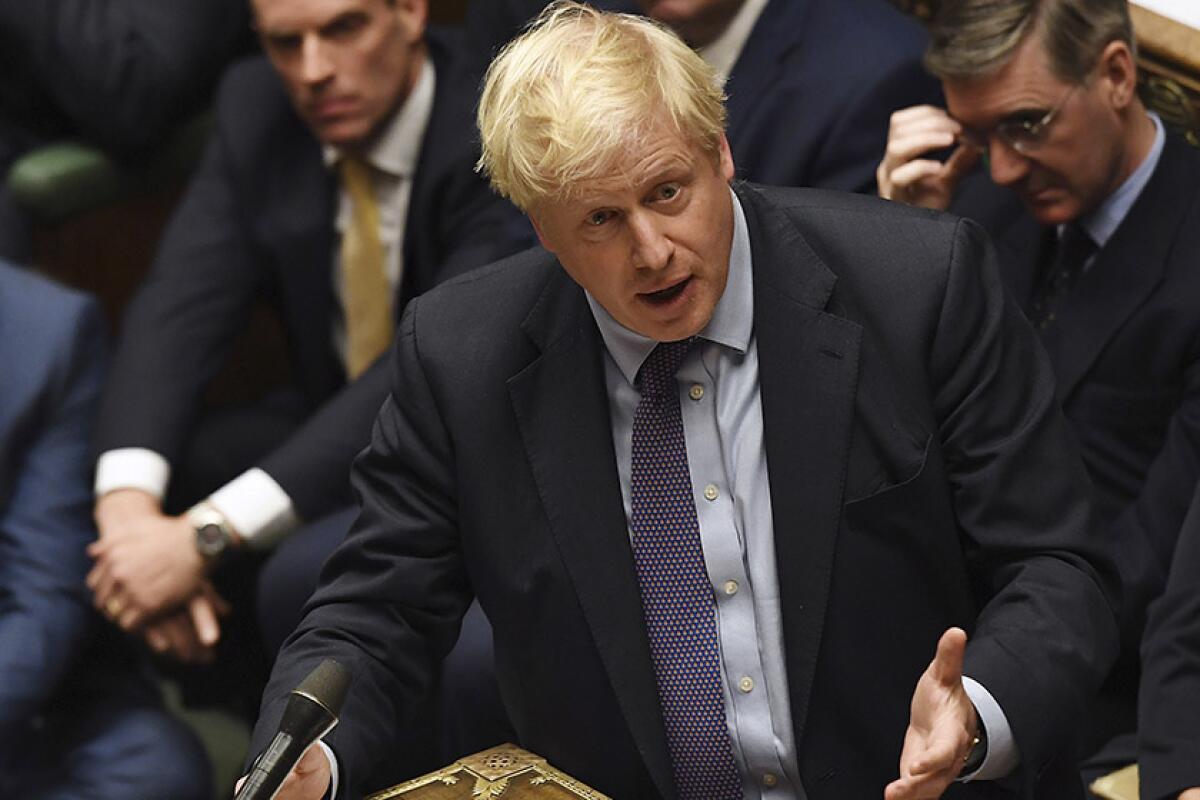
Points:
x=696, y=392
x=731, y=587
x=746, y=684
x=770, y=780
x=711, y=493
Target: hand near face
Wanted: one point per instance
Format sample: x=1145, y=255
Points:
x=146, y=562
x=941, y=729
x=905, y=175
x=308, y=780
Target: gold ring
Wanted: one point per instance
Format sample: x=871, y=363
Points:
x=113, y=607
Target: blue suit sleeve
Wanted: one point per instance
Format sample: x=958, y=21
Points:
x=45, y=521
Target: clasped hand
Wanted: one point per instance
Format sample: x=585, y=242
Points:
x=149, y=579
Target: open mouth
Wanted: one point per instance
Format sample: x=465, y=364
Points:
x=664, y=296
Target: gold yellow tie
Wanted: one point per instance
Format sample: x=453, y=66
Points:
x=366, y=293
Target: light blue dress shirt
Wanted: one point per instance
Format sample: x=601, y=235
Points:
x=723, y=426
x=1103, y=222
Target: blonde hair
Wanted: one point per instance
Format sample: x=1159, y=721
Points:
x=566, y=100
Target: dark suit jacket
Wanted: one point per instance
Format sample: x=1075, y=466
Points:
x=1168, y=736
x=120, y=73
x=1126, y=352
x=921, y=477
x=52, y=357
x=258, y=221
x=810, y=95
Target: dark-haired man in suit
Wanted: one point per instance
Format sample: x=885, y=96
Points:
x=725, y=465
x=338, y=184
x=1095, y=209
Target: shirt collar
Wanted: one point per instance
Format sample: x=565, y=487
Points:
x=1104, y=221
x=732, y=323
x=723, y=52
x=397, y=148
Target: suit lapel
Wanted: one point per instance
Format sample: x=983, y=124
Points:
x=771, y=39
x=808, y=368
x=300, y=235
x=1020, y=250
x=561, y=407
x=1124, y=273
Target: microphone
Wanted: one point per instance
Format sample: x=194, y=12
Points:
x=311, y=712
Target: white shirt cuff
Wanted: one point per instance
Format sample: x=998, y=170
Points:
x=257, y=507
x=1002, y=755
x=333, y=769
x=132, y=468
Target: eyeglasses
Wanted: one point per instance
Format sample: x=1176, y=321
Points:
x=1022, y=135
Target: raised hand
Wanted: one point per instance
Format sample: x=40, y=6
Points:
x=905, y=176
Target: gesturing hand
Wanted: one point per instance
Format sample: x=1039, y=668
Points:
x=941, y=728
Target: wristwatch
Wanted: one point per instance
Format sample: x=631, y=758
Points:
x=978, y=751
x=214, y=535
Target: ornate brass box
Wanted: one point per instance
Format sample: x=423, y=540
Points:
x=500, y=773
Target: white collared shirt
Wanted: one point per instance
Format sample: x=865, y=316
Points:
x=723, y=52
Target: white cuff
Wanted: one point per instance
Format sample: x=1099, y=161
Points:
x=1002, y=755
x=132, y=468
x=257, y=507
x=333, y=769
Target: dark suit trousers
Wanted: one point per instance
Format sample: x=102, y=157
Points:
x=106, y=748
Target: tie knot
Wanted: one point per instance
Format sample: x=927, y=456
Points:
x=1075, y=245
x=657, y=373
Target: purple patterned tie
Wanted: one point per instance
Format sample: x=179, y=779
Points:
x=677, y=598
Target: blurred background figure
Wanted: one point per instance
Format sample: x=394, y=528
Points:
x=811, y=83
x=78, y=715
x=120, y=74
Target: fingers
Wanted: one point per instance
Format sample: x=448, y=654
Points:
x=905, y=174
x=960, y=162
x=948, y=662
x=923, y=787
x=943, y=753
x=204, y=620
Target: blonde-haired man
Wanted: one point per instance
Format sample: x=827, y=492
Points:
x=724, y=466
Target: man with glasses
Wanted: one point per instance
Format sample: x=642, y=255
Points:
x=1095, y=210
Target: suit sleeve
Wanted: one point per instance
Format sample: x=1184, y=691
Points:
x=123, y=71
x=179, y=328
x=393, y=594
x=45, y=526
x=1169, y=697
x=1039, y=560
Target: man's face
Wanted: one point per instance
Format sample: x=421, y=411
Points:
x=1077, y=163
x=347, y=64
x=697, y=22
x=651, y=242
